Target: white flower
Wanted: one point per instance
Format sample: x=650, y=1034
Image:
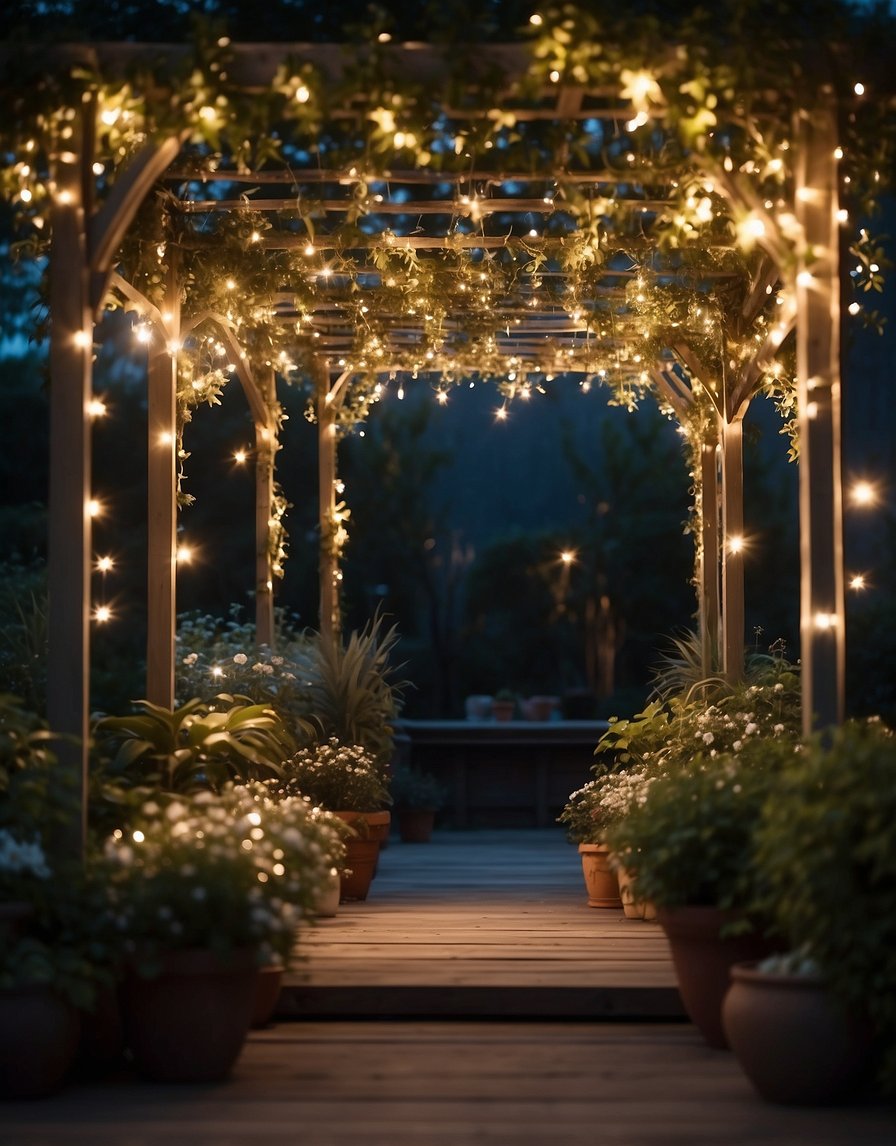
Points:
x=737, y=745
x=779, y=687
x=778, y=728
x=708, y=738
x=751, y=728
x=191, y=658
x=240, y=658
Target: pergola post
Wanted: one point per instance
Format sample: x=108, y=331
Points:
x=162, y=507
x=265, y=451
x=708, y=570
x=69, y=529
x=733, y=617
x=330, y=621
x=822, y=635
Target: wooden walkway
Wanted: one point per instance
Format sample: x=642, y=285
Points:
x=488, y=923
x=437, y=936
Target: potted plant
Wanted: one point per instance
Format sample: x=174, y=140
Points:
x=345, y=780
x=54, y=957
x=588, y=814
x=794, y=1040
x=53, y=962
x=416, y=797
x=197, y=745
x=826, y=857
x=203, y=890
x=504, y=704
x=689, y=848
x=351, y=690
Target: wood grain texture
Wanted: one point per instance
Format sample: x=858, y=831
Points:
x=492, y=923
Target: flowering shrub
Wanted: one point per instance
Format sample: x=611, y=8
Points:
x=337, y=776
x=603, y=801
x=214, y=654
x=671, y=732
x=220, y=871
x=54, y=939
x=690, y=839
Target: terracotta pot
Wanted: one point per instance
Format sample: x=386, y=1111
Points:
x=703, y=961
x=327, y=904
x=189, y=1023
x=38, y=1041
x=375, y=827
x=793, y=1041
x=601, y=882
x=415, y=825
x=360, y=859
x=633, y=908
x=503, y=710
x=267, y=992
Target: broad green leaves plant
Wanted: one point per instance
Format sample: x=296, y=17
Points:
x=196, y=745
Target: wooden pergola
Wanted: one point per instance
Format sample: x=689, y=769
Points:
x=533, y=229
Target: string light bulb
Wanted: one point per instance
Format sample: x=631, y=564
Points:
x=863, y=493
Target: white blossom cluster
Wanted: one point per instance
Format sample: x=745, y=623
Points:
x=239, y=868
x=341, y=777
x=22, y=857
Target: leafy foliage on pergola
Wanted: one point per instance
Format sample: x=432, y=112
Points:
x=640, y=196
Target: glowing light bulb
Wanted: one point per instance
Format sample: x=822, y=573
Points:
x=239, y=457
x=184, y=555
x=825, y=621
x=859, y=89
x=857, y=581
x=735, y=544
x=303, y=94
x=501, y=414
x=94, y=509
x=854, y=308
x=863, y=493
x=104, y=564
x=536, y=20
x=568, y=556
x=96, y=408
x=81, y=339
x=102, y=614
x=138, y=837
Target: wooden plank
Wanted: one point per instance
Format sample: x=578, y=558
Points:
x=424, y=1083
x=491, y=922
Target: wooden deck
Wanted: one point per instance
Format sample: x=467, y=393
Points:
x=437, y=935
x=488, y=923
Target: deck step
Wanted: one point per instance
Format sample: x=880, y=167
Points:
x=642, y=1004
x=489, y=924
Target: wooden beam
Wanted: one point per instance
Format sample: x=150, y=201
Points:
x=265, y=451
x=709, y=603
x=162, y=509
x=329, y=622
x=822, y=629
x=109, y=226
x=69, y=531
x=733, y=620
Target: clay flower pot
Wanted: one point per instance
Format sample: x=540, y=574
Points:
x=38, y=1041
x=415, y=825
x=703, y=962
x=601, y=881
x=189, y=1023
x=793, y=1041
